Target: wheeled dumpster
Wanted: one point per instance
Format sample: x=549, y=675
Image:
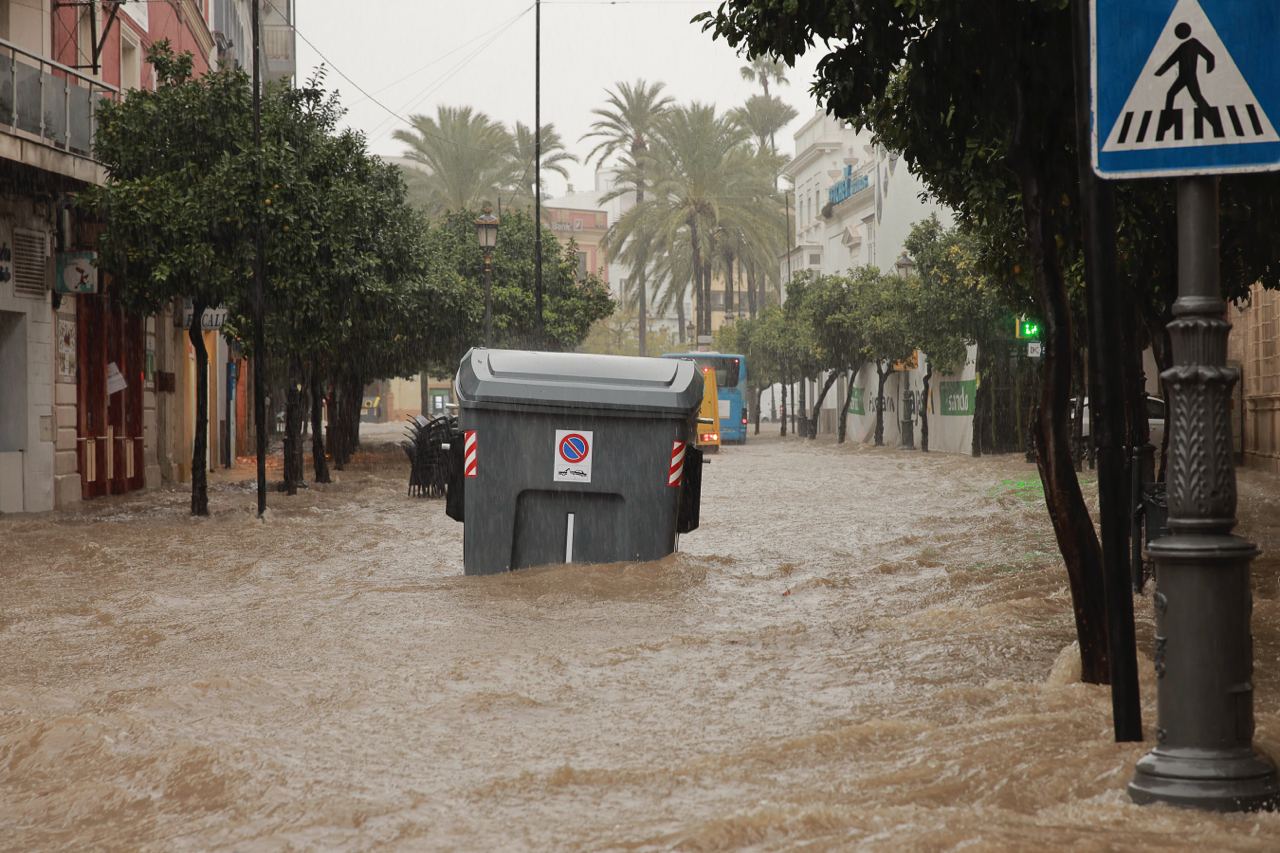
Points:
x=571, y=458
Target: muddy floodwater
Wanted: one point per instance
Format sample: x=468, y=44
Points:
x=859, y=649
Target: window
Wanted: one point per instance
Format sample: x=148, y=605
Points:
x=815, y=260
x=130, y=61
x=582, y=265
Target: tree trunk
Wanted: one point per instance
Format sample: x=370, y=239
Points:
x=355, y=399
x=924, y=407
x=883, y=371
x=982, y=361
x=200, y=443
x=843, y=429
x=318, y=462
x=680, y=320
x=1077, y=540
x=1077, y=418
x=292, y=430
x=642, y=330
x=706, y=284
x=802, y=408
x=335, y=423
x=728, y=283
x=751, y=291
x=759, y=406
x=783, y=407
x=832, y=376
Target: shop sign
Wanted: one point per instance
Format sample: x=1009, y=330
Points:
x=958, y=397
x=77, y=272
x=856, y=404
x=848, y=186
x=213, y=317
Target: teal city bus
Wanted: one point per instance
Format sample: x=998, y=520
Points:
x=731, y=389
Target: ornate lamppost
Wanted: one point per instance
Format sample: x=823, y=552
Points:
x=487, y=236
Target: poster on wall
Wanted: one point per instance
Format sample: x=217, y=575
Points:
x=66, y=348
x=958, y=397
x=115, y=379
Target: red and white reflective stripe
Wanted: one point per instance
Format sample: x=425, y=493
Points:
x=675, y=474
x=469, y=454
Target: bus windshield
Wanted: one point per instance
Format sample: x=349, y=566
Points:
x=726, y=369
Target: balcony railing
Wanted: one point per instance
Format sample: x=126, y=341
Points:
x=52, y=102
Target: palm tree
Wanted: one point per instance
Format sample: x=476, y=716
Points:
x=706, y=181
x=764, y=71
x=523, y=156
x=624, y=125
x=464, y=157
x=763, y=116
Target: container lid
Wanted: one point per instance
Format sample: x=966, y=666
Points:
x=489, y=378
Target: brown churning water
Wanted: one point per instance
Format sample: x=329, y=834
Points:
x=859, y=649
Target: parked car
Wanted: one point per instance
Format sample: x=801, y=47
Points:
x=1156, y=411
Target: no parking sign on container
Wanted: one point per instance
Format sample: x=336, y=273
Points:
x=573, y=456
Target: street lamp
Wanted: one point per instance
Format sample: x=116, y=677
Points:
x=487, y=237
x=905, y=267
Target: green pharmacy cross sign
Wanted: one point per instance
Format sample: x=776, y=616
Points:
x=1027, y=330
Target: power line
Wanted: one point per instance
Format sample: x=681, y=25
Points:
x=417, y=99
x=436, y=84
x=449, y=53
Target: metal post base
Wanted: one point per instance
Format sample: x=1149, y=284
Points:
x=1217, y=780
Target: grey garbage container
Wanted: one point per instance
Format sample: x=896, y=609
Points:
x=570, y=458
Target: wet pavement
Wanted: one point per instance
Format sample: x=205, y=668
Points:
x=860, y=648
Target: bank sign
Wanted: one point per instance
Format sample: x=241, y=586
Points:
x=848, y=186
x=1185, y=87
x=958, y=397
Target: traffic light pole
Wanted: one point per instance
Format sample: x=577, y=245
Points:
x=1204, y=755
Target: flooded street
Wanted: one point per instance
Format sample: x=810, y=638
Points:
x=859, y=648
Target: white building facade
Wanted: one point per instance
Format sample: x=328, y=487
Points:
x=854, y=205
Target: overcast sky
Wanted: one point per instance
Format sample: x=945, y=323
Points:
x=414, y=55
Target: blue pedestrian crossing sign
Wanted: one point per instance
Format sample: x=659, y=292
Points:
x=1185, y=87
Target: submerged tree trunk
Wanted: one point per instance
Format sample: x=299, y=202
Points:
x=924, y=407
x=200, y=442
x=883, y=371
x=1077, y=540
x=318, y=462
x=832, y=376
